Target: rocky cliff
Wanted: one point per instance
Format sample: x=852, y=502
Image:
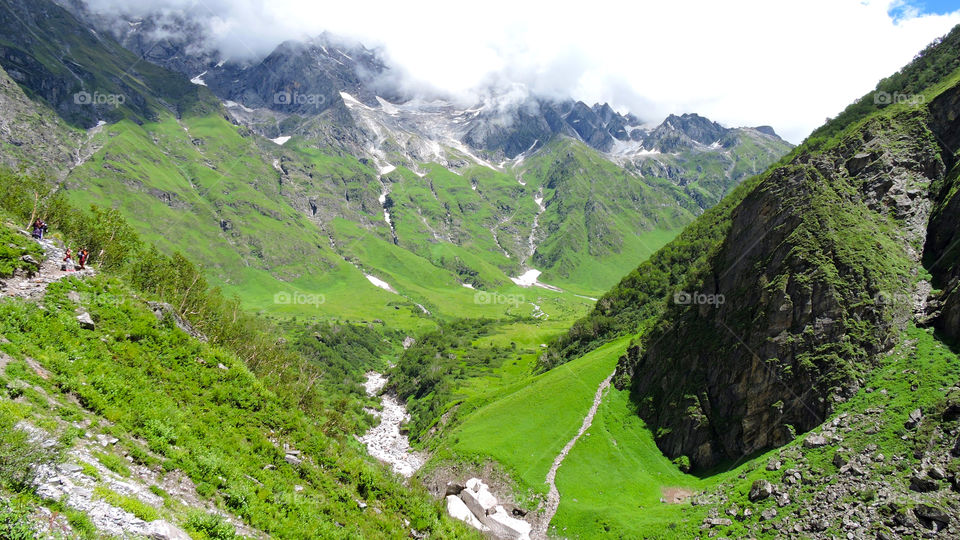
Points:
x=819, y=272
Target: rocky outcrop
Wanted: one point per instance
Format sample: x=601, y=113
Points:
x=817, y=276
x=478, y=507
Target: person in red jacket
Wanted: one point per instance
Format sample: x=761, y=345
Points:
x=82, y=257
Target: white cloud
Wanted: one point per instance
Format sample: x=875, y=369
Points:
x=742, y=62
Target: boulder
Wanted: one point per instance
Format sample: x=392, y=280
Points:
x=478, y=497
x=85, y=321
x=922, y=484
x=768, y=514
x=760, y=490
x=453, y=488
x=717, y=522
x=504, y=526
x=931, y=517
x=458, y=509
x=815, y=441
x=914, y=419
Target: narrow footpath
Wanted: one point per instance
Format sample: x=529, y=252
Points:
x=553, y=497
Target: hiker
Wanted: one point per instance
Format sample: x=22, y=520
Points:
x=82, y=256
x=39, y=227
x=67, y=261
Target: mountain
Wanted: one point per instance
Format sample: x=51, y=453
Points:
x=793, y=288
x=350, y=169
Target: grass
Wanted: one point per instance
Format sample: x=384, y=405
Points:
x=130, y=504
x=215, y=425
x=613, y=478
x=113, y=462
x=527, y=449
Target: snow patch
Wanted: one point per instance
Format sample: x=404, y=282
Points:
x=387, y=169
x=377, y=282
x=281, y=139
x=528, y=278
x=199, y=79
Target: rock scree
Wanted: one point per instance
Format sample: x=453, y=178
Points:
x=384, y=441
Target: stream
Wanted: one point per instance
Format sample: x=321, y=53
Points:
x=384, y=441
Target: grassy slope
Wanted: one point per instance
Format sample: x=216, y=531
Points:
x=144, y=382
x=613, y=479
x=506, y=423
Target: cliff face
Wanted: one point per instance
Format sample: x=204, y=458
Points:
x=820, y=270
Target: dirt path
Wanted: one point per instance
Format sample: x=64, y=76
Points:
x=553, y=498
x=34, y=287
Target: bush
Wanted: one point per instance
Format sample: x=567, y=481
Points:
x=21, y=454
x=211, y=526
x=15, y=523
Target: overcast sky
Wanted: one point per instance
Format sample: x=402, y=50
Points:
x=739, y=62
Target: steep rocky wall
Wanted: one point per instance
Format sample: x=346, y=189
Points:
x=818, y=274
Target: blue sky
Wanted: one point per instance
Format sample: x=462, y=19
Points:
x=923, y=7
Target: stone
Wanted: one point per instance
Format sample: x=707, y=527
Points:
x=458, y=510
x=760, y=490
x=839, y=460
x=453, y=488
x=774, y=465
x=783, y=499
x=931, y=517
x=223, y=367
x=936, y=473
x=478, y=497
x=408, y=342
x=717, y=522
x=292, y=460
x=914, y=419
x=768, y=514
x=86, y=322
x=814, y=441
x=164, y=530
x=922, y=484
x=504, y=526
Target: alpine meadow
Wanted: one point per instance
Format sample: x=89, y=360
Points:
x=303, y=270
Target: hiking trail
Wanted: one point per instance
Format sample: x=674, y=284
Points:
x=553, y=497
x=34, y=287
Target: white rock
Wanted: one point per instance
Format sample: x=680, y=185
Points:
x=503, y=525
x=458, y=509
x=164, y=530
x=478, y=498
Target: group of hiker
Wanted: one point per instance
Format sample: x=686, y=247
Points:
x=82, y=257
x=40, y=228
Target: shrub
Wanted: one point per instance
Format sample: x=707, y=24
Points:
x=21, y=454
x=15, y=523
x=210, y=526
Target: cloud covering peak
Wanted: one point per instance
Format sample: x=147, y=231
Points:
x=740, y=62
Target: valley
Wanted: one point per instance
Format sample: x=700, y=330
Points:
x=324, y=302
